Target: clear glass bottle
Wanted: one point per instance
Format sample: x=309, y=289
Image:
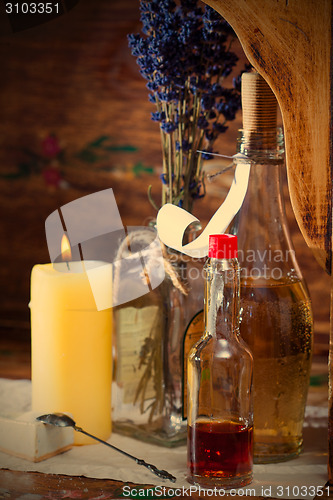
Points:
x=220, y=418
x=147, y=390
x=276, y=316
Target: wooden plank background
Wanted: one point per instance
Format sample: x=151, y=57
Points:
x=74, y=77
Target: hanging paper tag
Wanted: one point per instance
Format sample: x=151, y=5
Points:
x=172, y=221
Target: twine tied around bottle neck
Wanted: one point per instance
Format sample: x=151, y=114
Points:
x=142, y=238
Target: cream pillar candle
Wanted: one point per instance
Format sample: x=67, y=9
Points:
x=71, y=347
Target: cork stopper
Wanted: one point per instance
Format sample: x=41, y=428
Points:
x=258, y=102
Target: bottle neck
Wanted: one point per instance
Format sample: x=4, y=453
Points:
x=265, y=145
x=264, y=201
x=222, y=299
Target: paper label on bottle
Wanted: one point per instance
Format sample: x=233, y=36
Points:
x=136, y=325
x=193, y=334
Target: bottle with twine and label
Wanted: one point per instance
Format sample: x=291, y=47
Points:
x=148, y=388
x=276, y=317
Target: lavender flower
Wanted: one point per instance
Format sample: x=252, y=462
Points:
x=184, y=54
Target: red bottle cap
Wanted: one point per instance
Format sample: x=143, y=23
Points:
x=222, y=246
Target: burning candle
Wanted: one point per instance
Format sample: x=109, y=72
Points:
x=71, y=344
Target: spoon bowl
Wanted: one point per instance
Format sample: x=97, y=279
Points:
x=58, y=419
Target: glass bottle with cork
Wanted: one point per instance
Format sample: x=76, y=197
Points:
x=276, y=316
x=220, y=418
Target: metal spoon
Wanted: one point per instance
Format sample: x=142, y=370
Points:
x=62, y=420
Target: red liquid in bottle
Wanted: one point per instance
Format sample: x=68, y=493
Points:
x=220, y=449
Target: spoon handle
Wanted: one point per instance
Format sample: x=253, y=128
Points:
x=160, y=473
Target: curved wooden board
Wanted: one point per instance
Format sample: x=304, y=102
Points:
x=289, y=44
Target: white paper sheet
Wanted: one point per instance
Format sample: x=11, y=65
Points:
x=297, y=478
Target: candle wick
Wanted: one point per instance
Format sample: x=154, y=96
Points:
x=67, y=265
x=81, y=257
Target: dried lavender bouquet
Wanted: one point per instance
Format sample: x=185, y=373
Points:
x=184, y=51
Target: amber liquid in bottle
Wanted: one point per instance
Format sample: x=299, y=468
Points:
x=276, y=324
x=221, y=449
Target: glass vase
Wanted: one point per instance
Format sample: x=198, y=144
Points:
x=148, y=386
x=276, y=316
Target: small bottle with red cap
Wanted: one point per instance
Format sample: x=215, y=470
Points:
x=220, y=365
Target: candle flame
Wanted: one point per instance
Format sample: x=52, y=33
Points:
x=66, y=252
